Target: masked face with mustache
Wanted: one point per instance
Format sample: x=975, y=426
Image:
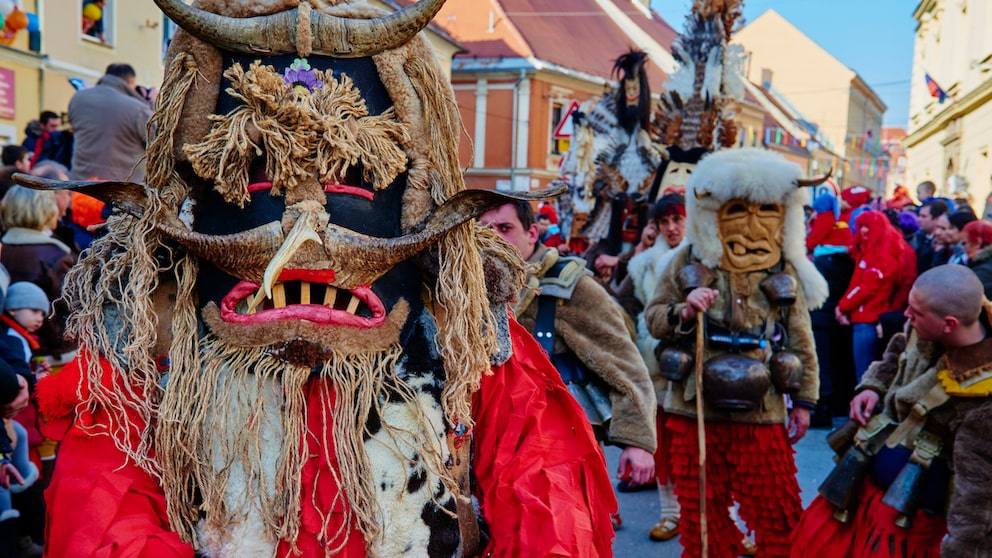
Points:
x=314, y=196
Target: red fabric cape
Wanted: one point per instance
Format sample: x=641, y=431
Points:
x=541, y=476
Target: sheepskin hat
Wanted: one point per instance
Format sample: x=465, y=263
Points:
x=760, y=176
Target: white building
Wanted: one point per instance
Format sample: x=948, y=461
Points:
x=949, y=141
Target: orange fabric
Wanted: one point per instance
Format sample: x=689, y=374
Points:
x=86, y=210
x=541, y=476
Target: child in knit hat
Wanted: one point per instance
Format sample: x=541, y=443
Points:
x=24, y=312
x=19, y=474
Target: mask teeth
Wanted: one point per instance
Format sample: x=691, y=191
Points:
x=330, y=296
x=291, y=293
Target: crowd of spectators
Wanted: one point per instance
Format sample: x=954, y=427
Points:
x=42, y=233
x=871, y=250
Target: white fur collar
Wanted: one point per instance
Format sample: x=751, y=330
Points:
x=18, y=235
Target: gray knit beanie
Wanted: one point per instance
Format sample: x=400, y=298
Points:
x=24, y=294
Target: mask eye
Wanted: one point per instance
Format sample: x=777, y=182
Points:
x=736, y=209
x=769, y=208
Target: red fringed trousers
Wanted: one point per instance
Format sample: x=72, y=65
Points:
x=750, y=464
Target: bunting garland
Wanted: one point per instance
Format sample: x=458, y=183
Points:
x=874, y=167
x=749, y=137
x=866, y=142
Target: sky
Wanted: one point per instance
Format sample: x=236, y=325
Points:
x=872, y=37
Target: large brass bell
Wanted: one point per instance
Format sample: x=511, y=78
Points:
x=787, y=372
x=735, y=383
x=780, y=288
x=842, y=485
x=842, y=438
x=904, y=493
x=673, y=363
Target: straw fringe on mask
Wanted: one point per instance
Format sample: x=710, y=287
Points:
x=321, y=133
x=242, y=420
x=212, y=385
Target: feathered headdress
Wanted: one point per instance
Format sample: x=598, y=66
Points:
x=699, y=101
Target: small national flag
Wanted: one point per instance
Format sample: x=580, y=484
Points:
x=935, y=90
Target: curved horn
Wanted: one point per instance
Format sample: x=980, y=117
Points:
x=357, y=38
x=342, y=246
x=276, y=33
x=815, y=181
x=700, y=196
x=243, y=255
x=247, y=254
x=130, y=197
x=270, y=34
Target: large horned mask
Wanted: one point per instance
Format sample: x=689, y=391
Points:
x=296, y=190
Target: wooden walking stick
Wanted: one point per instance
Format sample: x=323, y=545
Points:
x=701, y=430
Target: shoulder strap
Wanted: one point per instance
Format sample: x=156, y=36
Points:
x=544, y=323
x=561, y=279
x=911, y=426
x=561, y=275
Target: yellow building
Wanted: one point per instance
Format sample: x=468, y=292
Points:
x=19, y=86
x=36, y=68
x=847, y=112
x=949, y=141
x=133, y=33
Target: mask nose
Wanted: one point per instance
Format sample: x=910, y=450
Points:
x=310, y=217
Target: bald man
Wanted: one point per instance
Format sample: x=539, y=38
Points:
x=934, y=385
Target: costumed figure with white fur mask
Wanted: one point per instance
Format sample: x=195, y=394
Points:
x=294, y=339
x=749, y=287
x=695, y=116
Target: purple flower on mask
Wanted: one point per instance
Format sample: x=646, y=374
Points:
x=301, y=77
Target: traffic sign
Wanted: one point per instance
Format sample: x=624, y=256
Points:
x=565, y=128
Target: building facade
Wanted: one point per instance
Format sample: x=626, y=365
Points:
x=525, y=66
x=950, y=110
x=77, y=55
x=41, y=69
x=20, y=66
x=841, y=109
